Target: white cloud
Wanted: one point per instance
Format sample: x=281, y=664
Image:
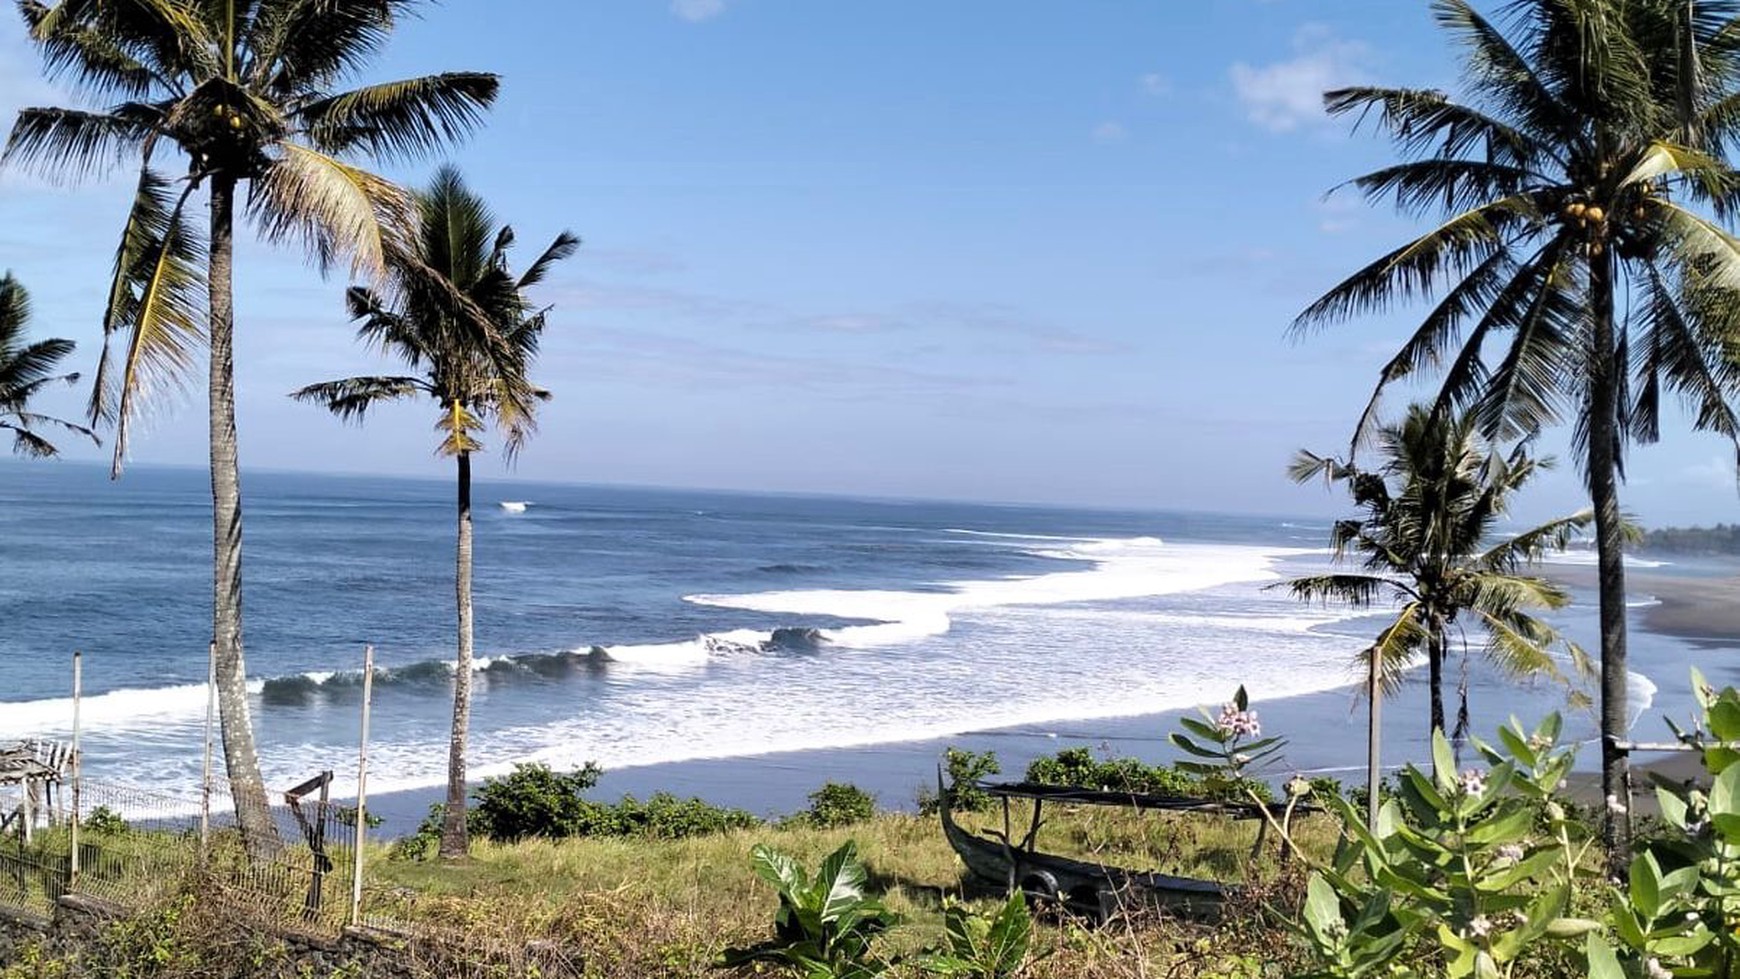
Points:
x=695, y=11
x=1155, y=84
x=1286, y=95
x=1110, y=131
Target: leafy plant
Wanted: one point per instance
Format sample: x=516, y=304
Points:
x=965, y=769
x=104, y=821
x=983, y=946
x=839, y=804
x=1228, y=744
x=1679, y=908
x=825, y=924
x=346, y=816
x=1079, y=767
x=1479, y=863
x=534, y=800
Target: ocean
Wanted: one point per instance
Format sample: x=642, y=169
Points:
x=653, y=630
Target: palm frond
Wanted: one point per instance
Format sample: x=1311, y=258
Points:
x=404, y=119
x=335, y=210
x=352, y=397
x=562, y=248
x=1414, y=270
x=162, y=320
x=70, y=144
x=1535, y=543
x=298, y=45
x=1356, y=590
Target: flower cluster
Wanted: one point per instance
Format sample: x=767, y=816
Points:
x=1238, y=723
x=1473, y=781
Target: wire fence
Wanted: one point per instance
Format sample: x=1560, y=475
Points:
x=134, y=847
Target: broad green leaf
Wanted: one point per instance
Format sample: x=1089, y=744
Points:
x=1443, y=763
x=1602, y=963
x=1725, y=792
x=1323, y=907
x=1645, y=889
x=781, y=872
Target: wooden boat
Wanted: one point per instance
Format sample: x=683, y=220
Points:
x=1096, y=891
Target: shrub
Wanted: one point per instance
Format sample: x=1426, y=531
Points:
x=665, y=816
x=104, y=821
x=533, y=800
x=839, y=804
x=965, y=770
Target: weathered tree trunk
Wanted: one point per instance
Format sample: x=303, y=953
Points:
x=241, y=759
x=454, y=843
x=1604, y=465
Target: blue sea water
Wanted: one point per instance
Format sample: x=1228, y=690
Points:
x=634, y=627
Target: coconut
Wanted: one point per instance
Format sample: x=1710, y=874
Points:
x=1595, y=213
x=236, y=122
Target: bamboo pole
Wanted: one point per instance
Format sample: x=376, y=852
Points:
x=362, y=782
x=205, y=773
x=77, y=768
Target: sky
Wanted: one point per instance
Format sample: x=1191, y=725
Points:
x=1017, y=251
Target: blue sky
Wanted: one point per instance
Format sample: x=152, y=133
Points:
x=1033, y=251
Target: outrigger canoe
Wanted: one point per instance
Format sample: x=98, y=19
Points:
x=1096, y=891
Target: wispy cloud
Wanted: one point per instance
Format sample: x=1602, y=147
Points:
x=1339, y=214
x=1155, y=84
x=695, y=11
x=1110, y=131
x=1286, y=95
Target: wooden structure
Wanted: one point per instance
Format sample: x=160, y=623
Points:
x=1096, y=891
x=38, y=770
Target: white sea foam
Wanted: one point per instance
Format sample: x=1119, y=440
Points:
x=118, y=709
x=1125, y=568
x=1588, y=558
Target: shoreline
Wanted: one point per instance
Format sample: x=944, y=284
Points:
x=1702, y=611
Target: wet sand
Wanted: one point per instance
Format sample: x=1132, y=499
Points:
x=1704, y=611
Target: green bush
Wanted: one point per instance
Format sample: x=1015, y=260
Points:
x=665, y=816
x=533, y=800
x=1079, y=768
x=964, y=769
x=839, y=804
x=104, y=821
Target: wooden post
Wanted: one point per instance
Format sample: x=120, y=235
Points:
x=77, y=767
x=205, y=774
x=1373, y=768
x=362, y=783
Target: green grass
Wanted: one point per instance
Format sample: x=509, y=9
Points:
x=638, y=907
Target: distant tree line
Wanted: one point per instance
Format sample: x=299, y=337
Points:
x=1720, y=539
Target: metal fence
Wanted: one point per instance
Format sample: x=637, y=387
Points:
x=62, y=833
x=135, y=847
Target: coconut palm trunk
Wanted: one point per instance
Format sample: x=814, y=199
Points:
x=241, y=759
x=453, y=835
x=1604, y=465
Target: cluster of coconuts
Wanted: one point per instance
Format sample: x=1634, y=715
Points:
x=225, y=112
x=1585, y=214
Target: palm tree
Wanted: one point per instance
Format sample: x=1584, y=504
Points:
x=459, y=252
x=25, y=369
x=1585, y=158
x=243, y=90
x=1427, y=542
